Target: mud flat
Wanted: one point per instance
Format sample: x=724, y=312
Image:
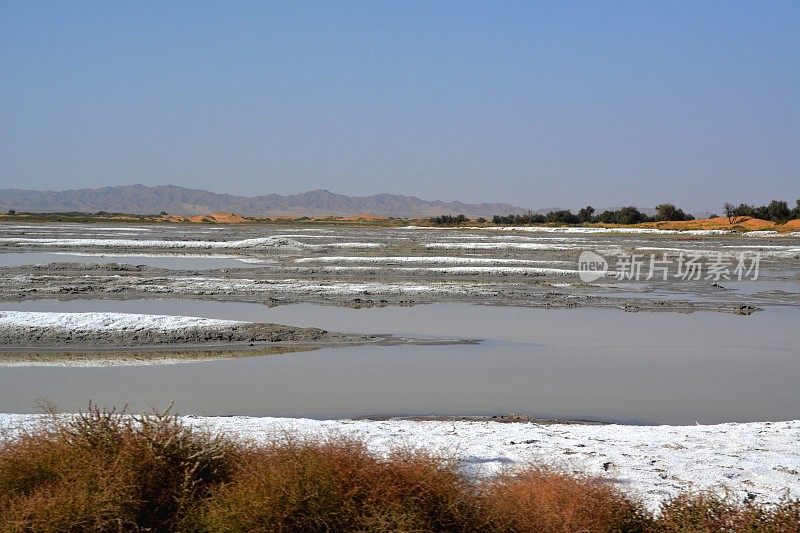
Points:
x=81, y=339
x=353, y=266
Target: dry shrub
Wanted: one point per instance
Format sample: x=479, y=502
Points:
x=546, y=501
x=46, y=485
x=710, y=513
x=338, y=486
x=108, y=472
x=104, y=472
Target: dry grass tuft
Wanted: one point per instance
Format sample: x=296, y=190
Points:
x=107, y=472
x=338, y=486
x=710, y=513
x=542, y=500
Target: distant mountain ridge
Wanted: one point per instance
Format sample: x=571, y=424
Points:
x=143, y=200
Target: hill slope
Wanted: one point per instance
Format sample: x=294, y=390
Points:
x=140, y=199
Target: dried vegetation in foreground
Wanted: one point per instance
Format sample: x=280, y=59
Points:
x=110, y=472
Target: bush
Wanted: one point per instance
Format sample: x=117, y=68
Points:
x=518, y=220
x=541, y=500
x=105, y=471
x=448, y=220
x=626, y=215
x=710, y=513
x=109, y=472
x=562, y=217
x=338, y=486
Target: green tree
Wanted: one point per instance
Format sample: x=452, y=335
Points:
x=562, y=217
x=778, y=211
x=730, y=212
x=586, y=214
x=670, y=212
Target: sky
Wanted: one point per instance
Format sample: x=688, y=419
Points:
x=539, y=104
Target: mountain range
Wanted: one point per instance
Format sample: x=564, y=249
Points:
x=141, y=199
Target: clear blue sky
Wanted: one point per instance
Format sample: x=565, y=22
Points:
x=537, y=104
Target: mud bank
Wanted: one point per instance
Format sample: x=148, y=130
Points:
x=358, y=292
x=105, y=338
x=90, y=330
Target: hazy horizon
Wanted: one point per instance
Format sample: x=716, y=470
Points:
x=533, y=104
x=599, y=207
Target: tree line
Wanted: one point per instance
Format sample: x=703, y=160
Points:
x=625, y=215
x=776, y=211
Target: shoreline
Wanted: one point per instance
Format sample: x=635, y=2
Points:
x=750, y=460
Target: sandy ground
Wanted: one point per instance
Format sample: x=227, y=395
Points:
x=759, y=461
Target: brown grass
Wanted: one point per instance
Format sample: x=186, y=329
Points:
x=543, y=500
x=338, y=486
x=710, y=513
x=108, y=472
x=104, y=472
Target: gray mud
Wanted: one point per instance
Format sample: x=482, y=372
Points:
x=372, y=267
x=46, y=345
x=22, y=336
x=127, y=357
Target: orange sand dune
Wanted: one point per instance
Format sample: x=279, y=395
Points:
x=364, y=217
x=740, y=223
x=216, y=218
x=792, y=225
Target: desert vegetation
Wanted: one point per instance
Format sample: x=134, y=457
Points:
x=448, y=220
x=519, y=220
x=104, y=471
x=624, y=215
x=776, y=211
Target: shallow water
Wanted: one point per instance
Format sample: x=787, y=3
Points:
x=574, y=363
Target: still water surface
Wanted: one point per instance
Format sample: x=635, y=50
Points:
x=573, y=363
